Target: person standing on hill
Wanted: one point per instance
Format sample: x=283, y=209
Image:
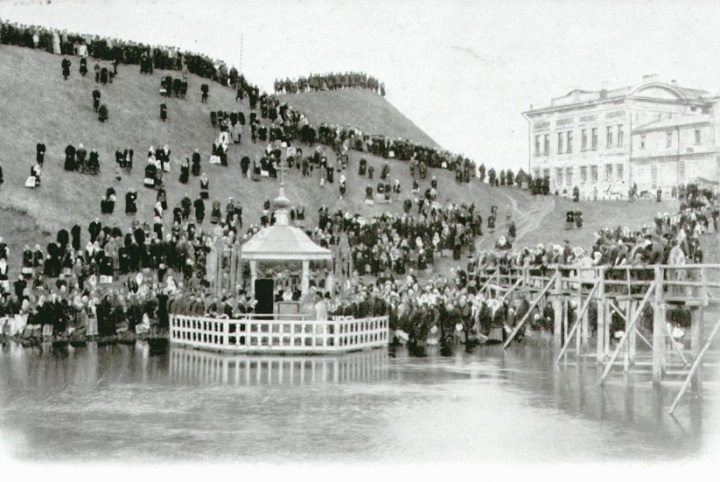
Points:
x=40, y=149
x=96, y=100
x=205, y=89
x=66, y=68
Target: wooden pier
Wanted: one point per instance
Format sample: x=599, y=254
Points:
x=642, y=299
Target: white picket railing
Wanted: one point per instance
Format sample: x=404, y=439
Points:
x=279, y=333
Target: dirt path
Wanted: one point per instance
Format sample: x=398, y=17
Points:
x=525, y=221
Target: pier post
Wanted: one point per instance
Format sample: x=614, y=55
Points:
x=601, y=309
x=632, y=338
x=557, y=304
x=696, y=321
x=658, y=330
x=585, y=325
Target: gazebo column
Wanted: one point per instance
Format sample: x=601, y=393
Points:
x=305, y=280
x=253, y=277
x=330, y=283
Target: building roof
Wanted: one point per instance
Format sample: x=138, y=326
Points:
x=682, y=121
x=651, y=85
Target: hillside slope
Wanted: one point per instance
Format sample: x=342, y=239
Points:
x=359, y=108
x=39, y=106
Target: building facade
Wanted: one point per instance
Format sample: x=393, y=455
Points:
x=654, y=134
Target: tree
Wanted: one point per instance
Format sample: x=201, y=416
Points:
x=482, y=172
x=509, y=177
x=522, y=177
x=502, y=177
x=546, y=185
x=492, y=177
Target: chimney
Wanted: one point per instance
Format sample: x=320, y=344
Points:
x=603, y=90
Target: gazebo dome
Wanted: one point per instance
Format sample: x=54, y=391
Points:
x=281, y=202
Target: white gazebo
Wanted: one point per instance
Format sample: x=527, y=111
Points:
x=282, y=242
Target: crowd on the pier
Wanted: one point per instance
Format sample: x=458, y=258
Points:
x=333, y=81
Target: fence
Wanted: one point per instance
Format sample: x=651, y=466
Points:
x=279, y=333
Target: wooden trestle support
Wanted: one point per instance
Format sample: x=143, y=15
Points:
x=626, y=293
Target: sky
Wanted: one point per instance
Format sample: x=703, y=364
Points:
x=463, y=71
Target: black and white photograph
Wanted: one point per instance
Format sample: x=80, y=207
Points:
x=359, y=238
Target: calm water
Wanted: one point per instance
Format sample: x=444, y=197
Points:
x=122, y=403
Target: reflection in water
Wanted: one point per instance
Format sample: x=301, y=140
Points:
x=123, y=402
x=203, y=368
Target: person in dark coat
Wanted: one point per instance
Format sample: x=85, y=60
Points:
x=199, y=205
x=196, y=163
x=83, y=67
x=70, y=158
x=40, y=149
x=96, y=99
x=75, y=232
x=103, y=113
x=185, y=171
x=66, y=68
x=163, y=112
x=205, y=89
x=130, y=202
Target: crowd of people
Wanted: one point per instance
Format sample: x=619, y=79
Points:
x=333, y=81
x=71, y=285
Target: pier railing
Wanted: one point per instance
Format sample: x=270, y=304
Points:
x=617, y=291
x=279, y=333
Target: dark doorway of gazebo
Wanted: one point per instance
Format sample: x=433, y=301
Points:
x=264, y=296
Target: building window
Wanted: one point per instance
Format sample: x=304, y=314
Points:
x=537, y=145
x=668, y=139
x=546, y=150
x=642, y=142
x=594, y=173
x=546, y=173
x=558, y=176
x=583, y=141
x=569, y=142
x=608, y=172
x=698, y=137
x=537, y=173
x=569, y=176
x=594, y=138
x=609, y=137
x=620, y=136
x=619, y=168
x=583, y=175
x=560, y=143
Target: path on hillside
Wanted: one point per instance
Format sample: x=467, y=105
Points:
x=525, y=221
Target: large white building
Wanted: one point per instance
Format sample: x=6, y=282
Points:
x=654, y=134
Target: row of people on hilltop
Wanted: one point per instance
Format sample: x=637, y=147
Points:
x=289, y=125
x=149, y=57
x=334, y=81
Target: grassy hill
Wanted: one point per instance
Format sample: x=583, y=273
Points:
x=363, y=109
x=38, y=105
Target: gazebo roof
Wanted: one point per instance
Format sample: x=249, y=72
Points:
x=282, y=241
